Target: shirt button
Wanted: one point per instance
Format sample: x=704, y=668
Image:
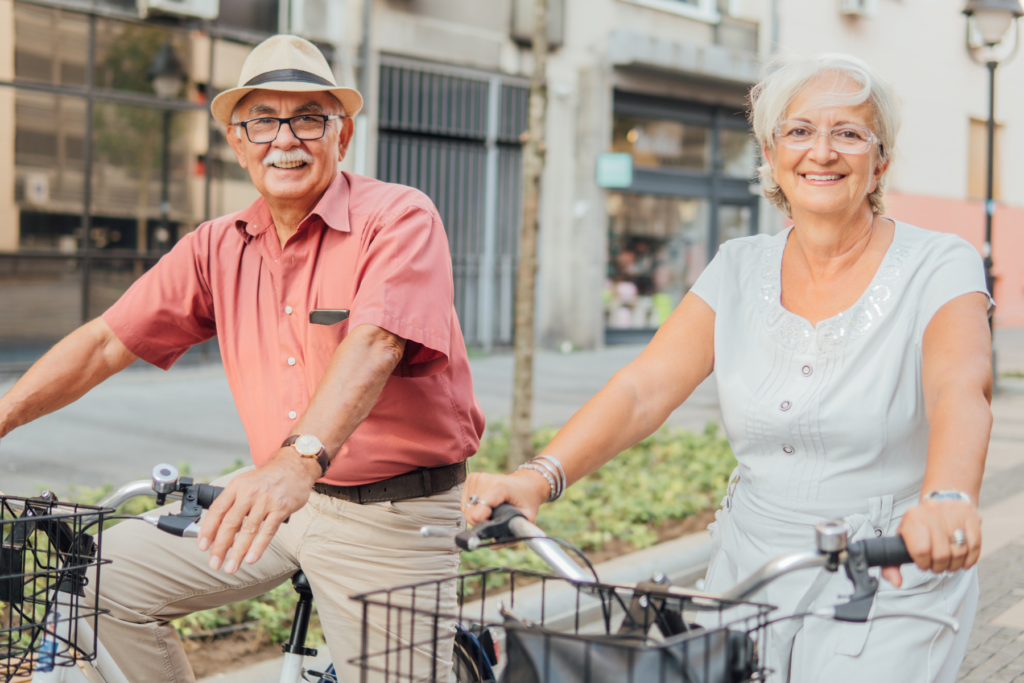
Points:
x=288, y=310
x=291, y=414
x=785, y=405
x=787, y=449
x=807, y=370
x=291, y=361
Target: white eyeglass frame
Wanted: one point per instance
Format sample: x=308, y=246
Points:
x=872, y=138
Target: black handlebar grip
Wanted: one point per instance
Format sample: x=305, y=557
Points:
x=208, y=494
x=505, y=512
x=888, y=551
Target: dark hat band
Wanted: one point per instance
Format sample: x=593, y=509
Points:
x=289, y=76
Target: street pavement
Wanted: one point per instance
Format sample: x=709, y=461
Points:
x=143, y=417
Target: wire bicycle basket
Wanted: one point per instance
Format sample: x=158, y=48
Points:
x=546, y=629
x=45, y=619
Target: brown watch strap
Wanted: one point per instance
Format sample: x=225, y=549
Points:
x=321, y=457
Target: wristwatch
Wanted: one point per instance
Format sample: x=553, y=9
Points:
x=948, y=494
x=308, y=446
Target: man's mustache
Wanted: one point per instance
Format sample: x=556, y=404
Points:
x=284, y=156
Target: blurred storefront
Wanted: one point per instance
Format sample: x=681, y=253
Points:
x=693, y=165
x=109, y=154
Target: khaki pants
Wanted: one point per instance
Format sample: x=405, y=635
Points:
x=343, y=548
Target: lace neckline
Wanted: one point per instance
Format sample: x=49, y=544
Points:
x=831, y=334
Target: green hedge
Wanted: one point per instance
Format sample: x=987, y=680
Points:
x=670, y=475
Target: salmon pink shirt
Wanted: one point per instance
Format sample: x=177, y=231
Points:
x=374, y=248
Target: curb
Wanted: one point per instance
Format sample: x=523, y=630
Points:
x=682, y=560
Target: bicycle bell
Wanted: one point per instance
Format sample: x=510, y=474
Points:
x=165, y=479
x=832, y=537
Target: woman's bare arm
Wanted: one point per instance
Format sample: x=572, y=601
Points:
x=80, y=361
x=956, y=376
x=634, y=403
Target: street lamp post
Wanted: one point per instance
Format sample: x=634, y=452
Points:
x=991, y=21
x=168, y=78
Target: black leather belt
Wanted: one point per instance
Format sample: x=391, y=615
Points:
x=426, y=481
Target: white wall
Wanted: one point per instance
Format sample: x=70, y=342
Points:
x=918, y=45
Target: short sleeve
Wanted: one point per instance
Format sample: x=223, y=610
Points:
x=404, y=285
x=709, y=283
x=169, y=309
x=954, y=268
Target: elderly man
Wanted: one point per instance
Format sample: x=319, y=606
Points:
x=358, y=428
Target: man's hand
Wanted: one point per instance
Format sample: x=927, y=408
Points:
x=246, y=516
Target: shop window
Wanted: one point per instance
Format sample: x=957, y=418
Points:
x=50, y=45
x=733, y=222
x=48, y=168
x=658, y=247
x=738, y=152
x=660, y=143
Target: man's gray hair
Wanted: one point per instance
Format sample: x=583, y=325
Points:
x=786, y=76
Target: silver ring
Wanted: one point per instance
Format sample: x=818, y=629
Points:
x=473, y=500
x=959, y=537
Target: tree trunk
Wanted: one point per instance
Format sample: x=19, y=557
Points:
x=521, y=441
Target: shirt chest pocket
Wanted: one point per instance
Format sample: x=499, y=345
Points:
x=326, y=338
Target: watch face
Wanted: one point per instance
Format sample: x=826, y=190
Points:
x=308, y=445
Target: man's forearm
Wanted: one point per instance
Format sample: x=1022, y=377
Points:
x=351, y=386
x=80, y=361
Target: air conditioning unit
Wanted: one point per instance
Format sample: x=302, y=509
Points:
x=858, y=8
x=201, y=9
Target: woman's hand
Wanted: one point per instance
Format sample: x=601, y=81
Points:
x=928, y=531
x=525, y=489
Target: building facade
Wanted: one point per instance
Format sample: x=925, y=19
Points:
x=99, y=175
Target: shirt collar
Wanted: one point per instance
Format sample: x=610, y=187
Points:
x=332, y=209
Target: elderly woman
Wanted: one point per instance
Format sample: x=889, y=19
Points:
x=852, y=356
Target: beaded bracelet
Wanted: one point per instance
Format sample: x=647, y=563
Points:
x=544, y=473
x=561, y=471
x=559, y=488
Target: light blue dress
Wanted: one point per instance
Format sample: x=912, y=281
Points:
x=828, y=421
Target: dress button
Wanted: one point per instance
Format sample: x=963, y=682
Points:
x=807, y=370
x=878, y=533
x=291, y=361
x=291, y=414
x=288, y=310
x=785, y=405
x=787, y=449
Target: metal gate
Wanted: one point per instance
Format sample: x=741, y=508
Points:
x=456, y=138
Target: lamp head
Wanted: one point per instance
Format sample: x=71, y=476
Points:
x=993, y=18
x=166, y=73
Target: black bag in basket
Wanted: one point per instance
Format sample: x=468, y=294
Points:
x=536, y=655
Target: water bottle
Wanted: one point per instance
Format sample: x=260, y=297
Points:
x=47, y=654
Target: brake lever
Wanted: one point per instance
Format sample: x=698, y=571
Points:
x=495, y=529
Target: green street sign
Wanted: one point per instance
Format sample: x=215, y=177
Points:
x=615, y=169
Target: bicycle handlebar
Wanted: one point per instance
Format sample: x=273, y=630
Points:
x=888, y=551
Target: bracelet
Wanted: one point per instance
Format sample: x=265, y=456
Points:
x=947, y=494
x=544, y=473
x=561, y=472
x=559, y=484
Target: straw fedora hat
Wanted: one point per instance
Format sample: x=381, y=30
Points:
x=289, y=64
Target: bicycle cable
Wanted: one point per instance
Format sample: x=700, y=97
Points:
x=565, y=544
x=108, y=518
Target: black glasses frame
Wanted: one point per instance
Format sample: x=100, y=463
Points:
x=288, y=120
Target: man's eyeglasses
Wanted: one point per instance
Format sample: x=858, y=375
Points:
x=304, y=127
x=846, y=138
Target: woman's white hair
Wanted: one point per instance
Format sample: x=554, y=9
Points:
x=786, y=76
